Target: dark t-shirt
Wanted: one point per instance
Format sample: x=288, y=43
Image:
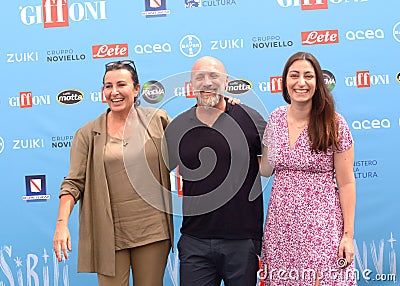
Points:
x=219, y=168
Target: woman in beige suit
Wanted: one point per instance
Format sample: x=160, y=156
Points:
x=118, y=174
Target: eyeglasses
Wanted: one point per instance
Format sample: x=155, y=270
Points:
x=125, y=62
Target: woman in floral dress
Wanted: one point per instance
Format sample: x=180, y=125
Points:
x=309, y=149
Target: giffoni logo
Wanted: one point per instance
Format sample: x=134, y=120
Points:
x=57, y=13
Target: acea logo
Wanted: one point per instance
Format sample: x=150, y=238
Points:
x=238, y=86
x=35, y=188
x=153, y=91
x=190, y=46
x=57, y=13
x=365, y=34
x=155, y=8
x=69, y=97
x=152, y=48
x=329, y=79
x=368, y=124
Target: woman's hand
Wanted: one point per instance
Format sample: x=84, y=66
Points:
x=62, y=240
x=232, y=100
x=346, y=249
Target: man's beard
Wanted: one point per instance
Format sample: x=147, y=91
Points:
x=208, y=101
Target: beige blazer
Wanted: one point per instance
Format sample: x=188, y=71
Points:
x=86, y=182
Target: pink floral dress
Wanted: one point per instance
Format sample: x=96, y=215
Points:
x=304, y=223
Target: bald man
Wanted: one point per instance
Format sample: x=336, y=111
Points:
x=216, y=146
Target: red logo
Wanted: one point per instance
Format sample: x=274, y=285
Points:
x=55, y=13
x=189, y=90
x=110, y=51
x=315, y=5
x=25, y=99
x=363, y=79
x=320, y=37
x=275, y=84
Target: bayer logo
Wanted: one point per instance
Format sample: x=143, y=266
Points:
x=1, y=144
x=190, y=46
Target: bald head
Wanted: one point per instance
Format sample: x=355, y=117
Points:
x=208, y=63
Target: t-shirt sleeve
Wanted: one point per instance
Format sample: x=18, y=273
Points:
x=345, y=137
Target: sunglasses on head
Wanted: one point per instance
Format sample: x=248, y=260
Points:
x=124, y=62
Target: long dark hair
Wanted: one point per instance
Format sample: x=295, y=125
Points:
x=322, y=127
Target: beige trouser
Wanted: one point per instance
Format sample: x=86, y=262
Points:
x=148, y=264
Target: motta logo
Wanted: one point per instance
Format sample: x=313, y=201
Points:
x=57, y=13
x=110, y=51
x=238, y=86
x=70, y=96
x=319, y=37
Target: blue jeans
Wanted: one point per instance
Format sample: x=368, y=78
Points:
x=207, y=262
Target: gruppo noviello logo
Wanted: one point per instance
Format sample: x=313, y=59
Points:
x=153, y=91
x=35, y=188
x=155, y=8
x=57, y=13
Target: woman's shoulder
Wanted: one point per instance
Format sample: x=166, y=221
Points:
x=152, y=111
x=278, y=112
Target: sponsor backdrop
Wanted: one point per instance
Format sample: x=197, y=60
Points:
x=52, y=61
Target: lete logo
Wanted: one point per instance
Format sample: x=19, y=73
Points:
x=320, y=37
x=109, y=51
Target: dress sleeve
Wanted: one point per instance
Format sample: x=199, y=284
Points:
x=345, y=137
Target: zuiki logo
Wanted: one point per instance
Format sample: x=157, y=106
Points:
x=70, y=96
x=31, y=143
x=27, y=100
x=190, y=46
x=314, y=4
x=238, y=86
x=57, y=13
x=329, y=79
x=155, y=8
x=35, y=188
x=110, y=51
x=319, y=37
x=153, y=91
x=227, y=44
x=66, y=55
x=22, y=57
